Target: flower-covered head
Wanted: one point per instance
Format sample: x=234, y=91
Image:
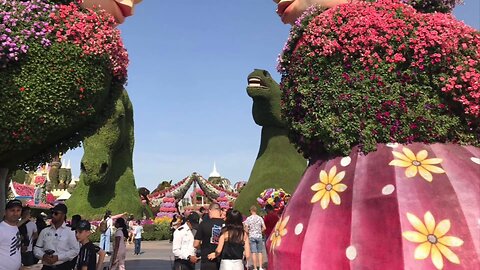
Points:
x=290, y=10
x=368, y=73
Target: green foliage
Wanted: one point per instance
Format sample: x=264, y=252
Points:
x=52, y=94
x=19, y=176
x=278, y=163
x=154, y=232
x=107, y=180
x=65, y=176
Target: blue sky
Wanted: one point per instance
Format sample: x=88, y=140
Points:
x=189, y=61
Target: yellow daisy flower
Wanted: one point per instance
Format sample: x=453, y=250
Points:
x=433, y=240
x=279, y=232
x=328, y=187
x=417, y=163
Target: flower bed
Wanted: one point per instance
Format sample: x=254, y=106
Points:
x=368, y=73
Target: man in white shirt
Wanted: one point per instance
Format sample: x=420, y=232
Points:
x=10, y=237
x=183, y=239
x=57, y=245
x=255, y=226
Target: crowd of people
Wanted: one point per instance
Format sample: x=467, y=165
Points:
x=218, y=239
x=63, y=245
x=221, y=239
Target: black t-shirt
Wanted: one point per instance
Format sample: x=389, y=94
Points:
x=209, y=232
x=88, y=256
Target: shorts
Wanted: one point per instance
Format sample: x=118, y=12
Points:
x=256, y=245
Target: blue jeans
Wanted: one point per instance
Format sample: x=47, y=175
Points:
x=138, y=242
x=256, y=245
x=105, y=240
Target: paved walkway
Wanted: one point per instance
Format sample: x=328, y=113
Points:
x=155, y=255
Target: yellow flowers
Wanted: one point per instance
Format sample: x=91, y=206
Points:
x=328, y=187
x=433, y=240
x=417, y=163
x=279, y=232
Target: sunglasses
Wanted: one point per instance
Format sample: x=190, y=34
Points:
x=56, y=213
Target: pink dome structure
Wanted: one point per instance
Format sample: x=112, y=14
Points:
x=384, y=210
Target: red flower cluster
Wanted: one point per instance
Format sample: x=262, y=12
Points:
x=94, y=31
x=376, y=72
x=441, y=42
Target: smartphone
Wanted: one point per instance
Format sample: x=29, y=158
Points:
x=49, y=251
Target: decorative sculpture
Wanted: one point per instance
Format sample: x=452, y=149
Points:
x=106, y=179
x=384, y=101
x=278, y=163
x=61, y=69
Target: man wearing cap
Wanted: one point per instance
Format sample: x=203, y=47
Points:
x=10, y=241
x=183, y=239
x=57, y=245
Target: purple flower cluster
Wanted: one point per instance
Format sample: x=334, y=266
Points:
x=21, y=22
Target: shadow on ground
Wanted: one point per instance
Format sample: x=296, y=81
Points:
x=149, y=264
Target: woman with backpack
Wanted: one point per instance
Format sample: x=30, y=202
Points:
x=106, y=231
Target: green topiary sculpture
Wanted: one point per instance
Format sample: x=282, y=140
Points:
x=106, y=179
x=61, y=68
x=278, y=163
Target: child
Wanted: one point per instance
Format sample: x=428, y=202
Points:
x=118, y=257
x=131, y=229
x=138, y=237
x=87, y=257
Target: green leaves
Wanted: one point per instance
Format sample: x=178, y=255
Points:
x=42, y=101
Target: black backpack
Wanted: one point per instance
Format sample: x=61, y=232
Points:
x=24, y=234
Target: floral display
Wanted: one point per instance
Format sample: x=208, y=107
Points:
x=383, y=97
x=168, y=207
x=277, y=198
x=223, y=201
x=22, y=22
x=60, y=67
x=162, y=220
x=413, y=78
x=94, y=32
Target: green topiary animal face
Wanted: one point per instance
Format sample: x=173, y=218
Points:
x=103, y=146
x=266, y=96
